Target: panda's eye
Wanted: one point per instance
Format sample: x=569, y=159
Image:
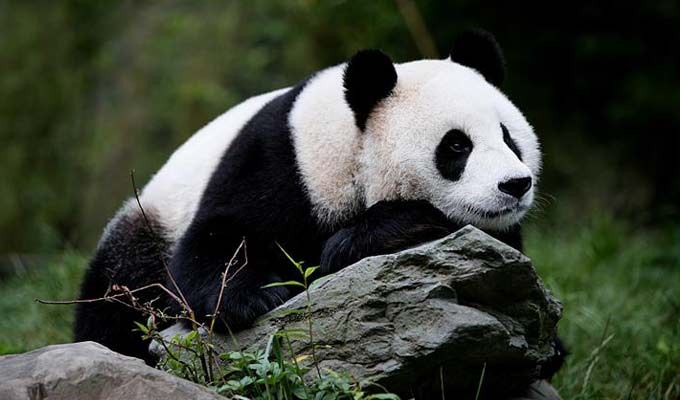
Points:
x=457, y=142
x=458, y=146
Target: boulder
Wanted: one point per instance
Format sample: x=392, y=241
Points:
x=89, y=371
x=429, y=317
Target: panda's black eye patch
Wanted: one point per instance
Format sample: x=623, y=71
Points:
x=452, y=154
x=510, y=143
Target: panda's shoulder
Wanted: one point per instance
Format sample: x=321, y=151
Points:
x=174, y=192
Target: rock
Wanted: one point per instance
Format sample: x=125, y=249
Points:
x=446, y=308
x=539, y=390
x=89, y=371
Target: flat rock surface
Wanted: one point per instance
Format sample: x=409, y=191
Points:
x=447, y=308
x=89, y=371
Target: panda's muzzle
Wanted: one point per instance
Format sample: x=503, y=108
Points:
x=516, y=187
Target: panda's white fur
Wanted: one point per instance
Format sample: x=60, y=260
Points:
x=345, y=169
x=327, y=147
x=174, y=192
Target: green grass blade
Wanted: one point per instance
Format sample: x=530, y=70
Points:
x=286, y=283
x=297, y=264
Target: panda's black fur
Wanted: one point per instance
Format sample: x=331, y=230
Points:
x=255, y=194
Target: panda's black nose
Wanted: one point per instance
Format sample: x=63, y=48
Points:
x=516, y=186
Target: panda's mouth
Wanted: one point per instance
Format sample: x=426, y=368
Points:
x=491, y=214
x=499, y=217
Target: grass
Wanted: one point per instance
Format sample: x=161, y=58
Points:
x=25, y=324
x=621, y=294
x=620, y=288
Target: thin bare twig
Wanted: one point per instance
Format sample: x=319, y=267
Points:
x=129, y=294
x=224, y=283
x=110, y=297
x=159, y=248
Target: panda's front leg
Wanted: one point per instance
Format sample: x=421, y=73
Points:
x=386, y=227
x=198, y=264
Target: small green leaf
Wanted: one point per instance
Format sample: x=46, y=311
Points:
x=318, y=282
x=300, y=393
x=142, y=328
x=383, y=396
x=297, y=264
x=286, y=283
x=191, y=336
x=288, y=331
x=270, y=342
x=310, y=271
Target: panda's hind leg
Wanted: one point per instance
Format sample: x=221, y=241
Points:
x=128, y=255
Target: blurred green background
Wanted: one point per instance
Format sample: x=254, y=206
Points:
x=90, y=90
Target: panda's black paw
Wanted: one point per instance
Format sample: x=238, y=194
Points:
x=554, y=363
x=386, y=227
x=241, y=308
x=245, y=298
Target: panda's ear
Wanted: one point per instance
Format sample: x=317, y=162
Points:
x=479, y=50
x=369, y=77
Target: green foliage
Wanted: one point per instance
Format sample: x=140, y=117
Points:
x=25, y=324
x=262, y=376
x=621, y=318
x=275, y=373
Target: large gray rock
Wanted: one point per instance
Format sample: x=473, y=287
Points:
x=448, y=307
x=89, y=371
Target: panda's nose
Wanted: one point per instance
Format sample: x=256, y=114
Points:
x=515, y=187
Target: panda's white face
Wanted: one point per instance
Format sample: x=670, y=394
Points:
x=448, y=136
x=436, y=130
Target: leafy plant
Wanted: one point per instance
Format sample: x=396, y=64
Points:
x=276, y=372
x=306, y=273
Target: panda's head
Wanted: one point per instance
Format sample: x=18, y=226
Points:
x=441, y=130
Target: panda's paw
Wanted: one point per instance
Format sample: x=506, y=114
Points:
x=397, y=225
x=554, y=363
x=245, y=304
x=386, y=227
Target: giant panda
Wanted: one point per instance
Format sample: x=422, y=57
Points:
x=363, y=158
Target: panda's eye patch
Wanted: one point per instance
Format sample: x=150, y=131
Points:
x=510, y=143
x=452, y=154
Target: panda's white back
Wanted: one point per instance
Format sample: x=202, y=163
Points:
x=174, y=192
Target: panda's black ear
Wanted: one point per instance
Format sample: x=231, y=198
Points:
x=369, y=77
x=479, y=50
